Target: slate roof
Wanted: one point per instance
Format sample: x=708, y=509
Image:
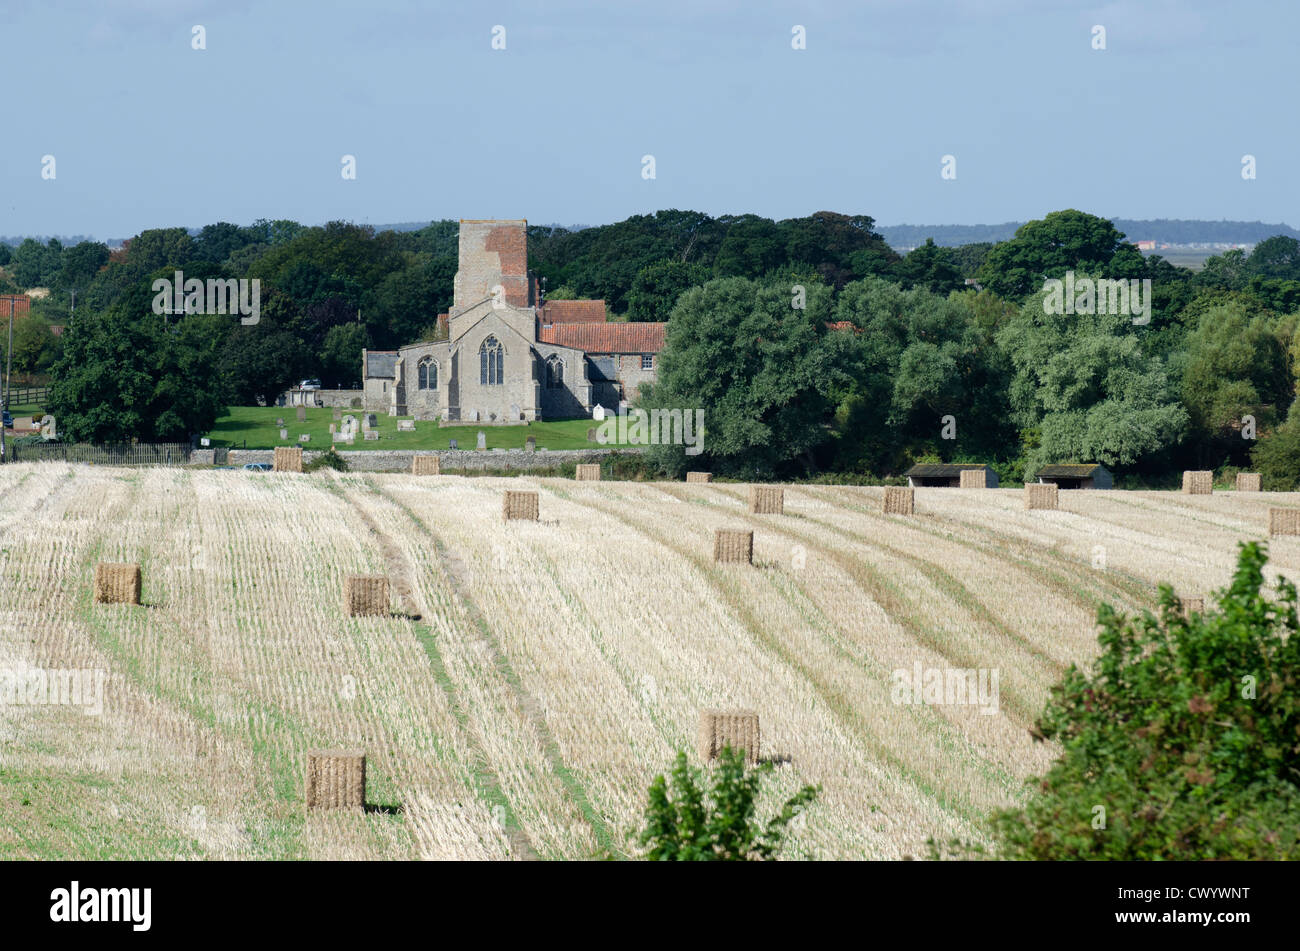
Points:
x=1070, y=472
x=381, y=363
x=933, y=471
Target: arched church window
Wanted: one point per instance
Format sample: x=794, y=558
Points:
x=554, y=373
x=491, y=362
x=427, y=374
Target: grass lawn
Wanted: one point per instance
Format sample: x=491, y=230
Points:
x=254, y=427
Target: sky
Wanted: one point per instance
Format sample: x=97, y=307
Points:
x=145, y=131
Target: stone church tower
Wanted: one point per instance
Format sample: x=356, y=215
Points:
x=510, y=357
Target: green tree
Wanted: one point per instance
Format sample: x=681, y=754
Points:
x=929, y=267
x=1061, y=241
x=1235, y=366
x=1277, y=457
x=686, y=823
x=1181, y=742
x=1083, y=387
x=657, y=287
x=760, y=368
x=340, y=357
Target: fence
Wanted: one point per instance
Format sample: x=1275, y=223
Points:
x=141, y=454
x=27, y=395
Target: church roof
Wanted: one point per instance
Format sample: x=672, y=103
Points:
x=606, y=338
x=573, y=312
x=381, y=363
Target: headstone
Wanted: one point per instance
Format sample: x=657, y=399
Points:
x=49, y=431
x=349, y=424
x=452, y=444
x=530, y=444
x=302, y=414
x=368, y=422
x=591, y=435
x=482, y=440
x=338, y=414
x=372, y=434
x=406, y=425
x=305, y=437
x=514, y=412
x=279, y=421
x=205, y=441
x=331, y=429
x=284, y=433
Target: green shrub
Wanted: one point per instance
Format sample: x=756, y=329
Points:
x=329, y=459
x=688, y=827
x=1186, y=734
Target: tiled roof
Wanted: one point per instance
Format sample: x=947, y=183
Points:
x=843, y=325
x=573, y=312
x=381, y=363
x=607, y=338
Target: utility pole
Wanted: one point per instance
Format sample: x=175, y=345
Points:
x=9, y=371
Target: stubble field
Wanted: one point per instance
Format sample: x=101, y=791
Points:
x=534, y=677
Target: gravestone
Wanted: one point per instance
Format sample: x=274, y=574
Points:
x=332, y=429
x=349, y=425
x=452, y=444
x=482, y=440
x=49, y=431
x=204, y=442
x=279, y=421
x=530, y=444
x=338, y=414
x=305, y=437
x=372, y=434
x=368, y=422
x=302, y=414
x=406, y=425
x=284, y=433
x=591, y=435
x=514, y=412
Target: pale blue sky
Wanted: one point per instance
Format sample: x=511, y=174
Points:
x=147, y=132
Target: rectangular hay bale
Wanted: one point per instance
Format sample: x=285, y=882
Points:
x=1284, y=521
x=735, y=728
x=336, y=779
x=425, y=465
x=974, y=479
x=733, y=546
x=287, y=459
x=699, y=477
x=899, y=500
x=1039, y=495
x=587, y=472
x=365, y=595
x=1190, y=606
x=766, y=499
x=1250, y=482
x=519, y=505
x=117, y=582
x=1198, y=483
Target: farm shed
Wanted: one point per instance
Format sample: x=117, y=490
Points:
x=929, y=475
x=1093, y=476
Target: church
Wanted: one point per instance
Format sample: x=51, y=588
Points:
x=508, y=355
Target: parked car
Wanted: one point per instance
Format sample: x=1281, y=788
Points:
x=258, y=466
x=8, y=420
x=309, y=385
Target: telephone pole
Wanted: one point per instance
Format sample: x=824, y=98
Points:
x=9, y=369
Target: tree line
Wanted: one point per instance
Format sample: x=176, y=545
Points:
x=942, y=354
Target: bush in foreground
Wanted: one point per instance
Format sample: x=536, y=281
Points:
x=688, y=827
x=1184, y=741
